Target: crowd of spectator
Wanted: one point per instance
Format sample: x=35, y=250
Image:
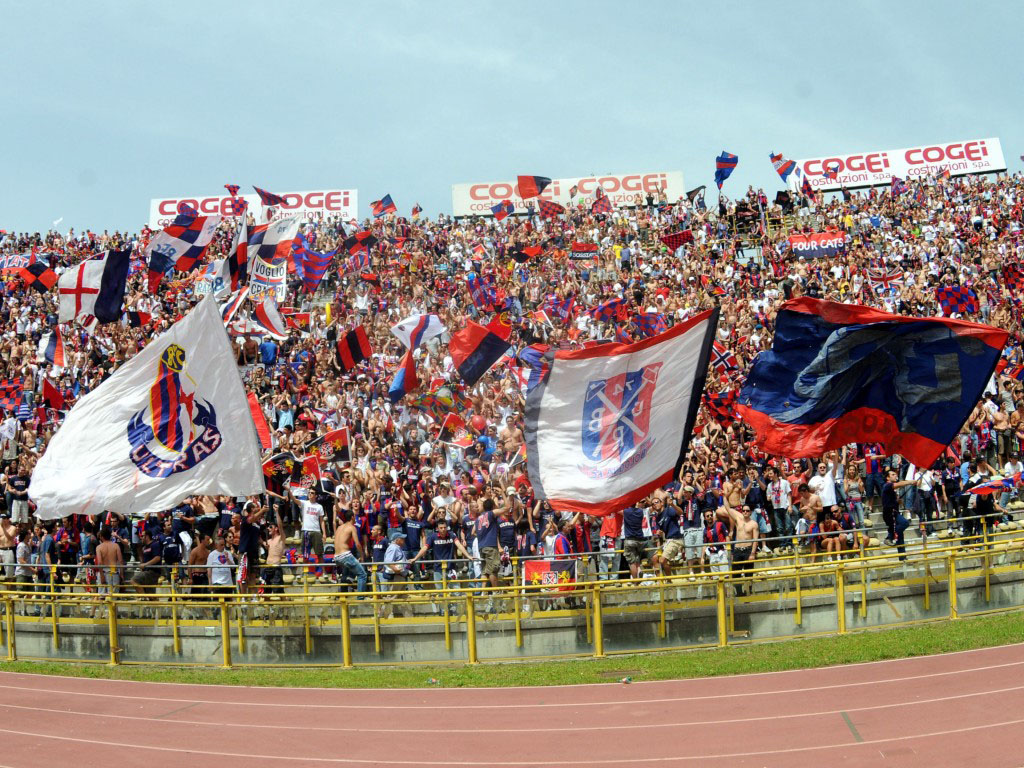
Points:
x=408, y=506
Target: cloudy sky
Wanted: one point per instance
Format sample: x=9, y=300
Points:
x=109, y=104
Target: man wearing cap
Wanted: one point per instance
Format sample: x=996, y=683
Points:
x=396, y=565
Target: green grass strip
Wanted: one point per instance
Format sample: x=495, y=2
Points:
x=965, y=634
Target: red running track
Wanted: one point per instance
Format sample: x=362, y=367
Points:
x=960, y=709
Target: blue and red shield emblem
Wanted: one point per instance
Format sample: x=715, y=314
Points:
x=616, y=415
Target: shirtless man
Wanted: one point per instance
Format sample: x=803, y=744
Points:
x=109, y=562
x=745, y=533
x=810, y=502
x=732, y=489
x=346, y=538
x=273, y=576
x=8, y=533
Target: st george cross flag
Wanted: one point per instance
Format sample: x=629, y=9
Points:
x=531, y=186
x=272, y=242
x=353, y=348
x=417, y=329
x=725, y=164
x=842, y=373
x=609, y=424
x=171, y=422
x=51, y=348
x=185, y=241
x=267, y=317
x=94, y=287
x=782, y=166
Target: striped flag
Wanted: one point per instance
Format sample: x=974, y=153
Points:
x=51, y=348
x=267, y=316
x=353, y=348
x=230, y=307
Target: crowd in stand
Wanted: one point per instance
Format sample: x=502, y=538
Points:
x=410, y=506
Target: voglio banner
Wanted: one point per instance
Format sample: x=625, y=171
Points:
x=266, y=278
x=309, y=206
x=868, y=169
x=623, y=190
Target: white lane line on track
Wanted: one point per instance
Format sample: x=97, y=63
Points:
x=682, y=680
x=593, y=761
x=162, y=719
x=524, y=705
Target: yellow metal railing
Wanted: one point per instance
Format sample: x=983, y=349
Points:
x=791, y=587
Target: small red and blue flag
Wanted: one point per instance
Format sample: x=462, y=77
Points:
x=782, y=166
x=956, y=298
x=383, y=207
x=725, y=164
x=474, y=349
x=502, y=210
x=531, y=186
x=268, y=198
x=549, y=210
x=405, y=379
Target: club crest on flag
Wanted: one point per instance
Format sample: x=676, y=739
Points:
x=176, y=431
x=616, y=421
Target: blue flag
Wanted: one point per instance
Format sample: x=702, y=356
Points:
x=725, y=164
x=840, y=373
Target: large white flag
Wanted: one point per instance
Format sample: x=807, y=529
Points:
x=171, y=422
x=610, y=424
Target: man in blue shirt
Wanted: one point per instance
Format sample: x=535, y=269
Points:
x=635, y=546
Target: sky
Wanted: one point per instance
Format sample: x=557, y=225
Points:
x=109, y=103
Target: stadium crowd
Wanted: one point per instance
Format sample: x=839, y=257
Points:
x=409, y=505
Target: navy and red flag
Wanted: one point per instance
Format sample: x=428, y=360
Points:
x=898, y=186
x=1013, y=276
x=956, y=298
x=722, y=406
x=416, y=211
x=483, y=295
x=52, y=396
x=383, y=206
x=1001, y=485
x=166, y=398
x=332, y=446
x=238, y=257
x=674, y=240
x=353, y=348
x=523, y=255
x=558, y=575
x=474, y=349
x=135, y=319
x=1015, y=372
x=502, y=210
x=601, y=205
x=806, y=187
x=830, y=172
x=405, y=380
x=549, y=210
x=725, y=164
x=232, y=189
x=562, y=308
x=39, y=276
x=782, y=166
x=607, y=311
x=160, y=263
x=358, y=241
x=573, y=190
x=583, y=248
x=268, y=198
x=650, y=324
x=531, y=186
x=51, y=347
x=840, y=373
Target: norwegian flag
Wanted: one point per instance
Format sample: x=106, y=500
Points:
x=268, y=198
x=885, y=279
x=613, y=309
x=650, y=324
x=675, y=240
x=601, y=205
x=956, y=298
x=549, y=210
x=722, y=406
x=10, y=394
x=722, y=359
x=185, y=241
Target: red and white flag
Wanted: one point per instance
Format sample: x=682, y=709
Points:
x=611, y=423
x=267, y=316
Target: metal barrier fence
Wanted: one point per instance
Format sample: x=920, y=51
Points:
x=776, y=599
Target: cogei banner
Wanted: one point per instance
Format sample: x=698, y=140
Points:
x=622, y=190
x=308, y=206
x=817, y=244
x=868, y=169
